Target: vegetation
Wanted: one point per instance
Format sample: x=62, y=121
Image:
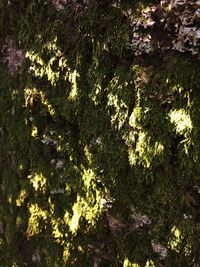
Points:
x=99, y=133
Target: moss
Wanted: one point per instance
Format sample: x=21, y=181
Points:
x=88, y=131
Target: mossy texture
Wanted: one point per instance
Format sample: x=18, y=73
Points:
x=99, y=149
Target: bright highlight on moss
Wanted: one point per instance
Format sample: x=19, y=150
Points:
x=181, y=119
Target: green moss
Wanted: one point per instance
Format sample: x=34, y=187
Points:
x=88, y=131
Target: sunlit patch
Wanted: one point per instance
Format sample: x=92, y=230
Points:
x=36, y=216
x=177, y=87
x=66, y=252
x=181, y=120
x=127, y=263
x=22, y=196
x=89, y=206
x=73, y=80
x=77, y=212
x=150, y=263
x=135, y=117
x=34, y=131
x=92, y=202
x=32, y=94
x=38, y=182
x=67, y=218
x=40, y=68
x=56, y=231
x=142, y=149
x=88, y=154
x=96, y=93
x=145, y=151
x=175, y=239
